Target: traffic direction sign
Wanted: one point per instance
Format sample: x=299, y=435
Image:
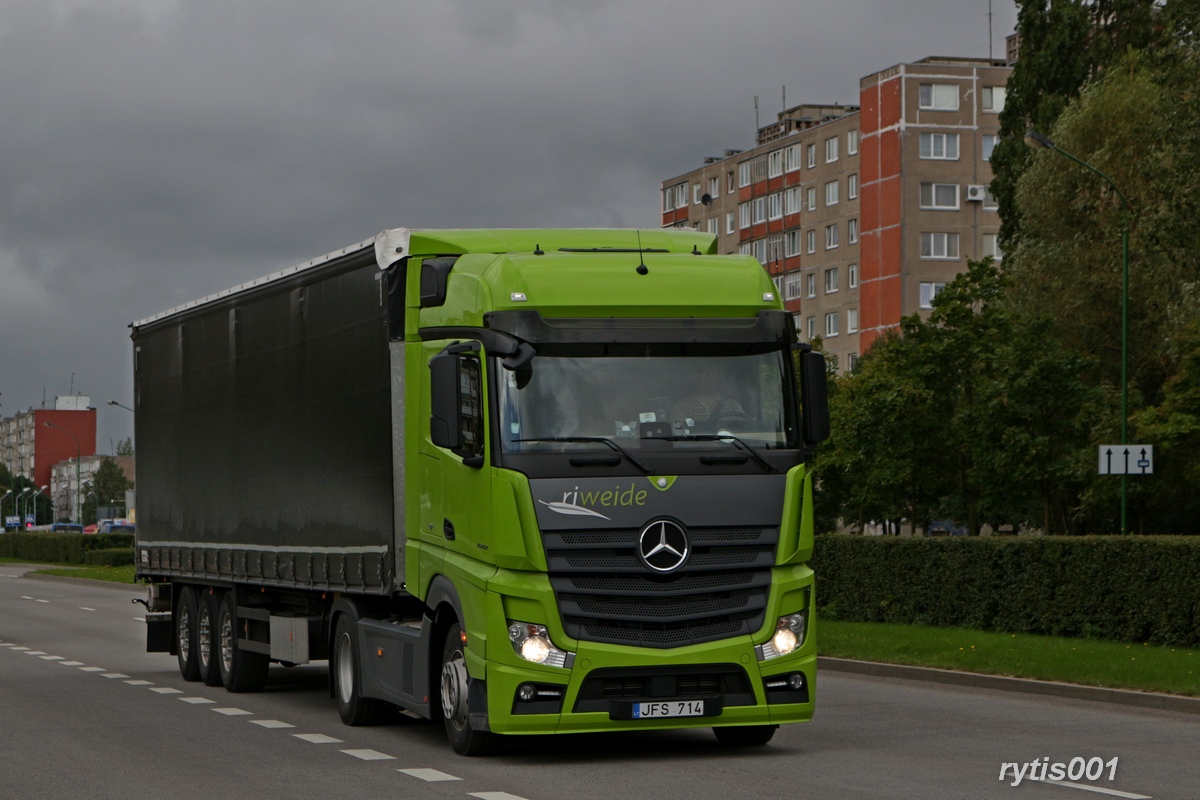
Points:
x=1126, y=459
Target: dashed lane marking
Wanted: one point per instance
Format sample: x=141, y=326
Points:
x=35, y=652
x=369, y=755
x=140, y=683
x=19, y=649
x=495, y=796
x=1099, y=790
x=92, y=669
x=41, y=601
x=114, y=675
x=52, y=658
x=165, y=690
x=138, y=619
x=233, y=712
x=429, y=775
x=316, y=738
x=70, y=663
x=270, y=723
x=85, y=608
x=197, y=701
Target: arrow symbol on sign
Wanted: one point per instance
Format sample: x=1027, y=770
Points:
x=1126, y=471
x=1108, y=469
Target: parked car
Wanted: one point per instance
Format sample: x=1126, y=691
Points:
x=67, y=527
x=91, y=528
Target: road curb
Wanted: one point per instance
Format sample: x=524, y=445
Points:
x=1164, y=702
x=126, y=587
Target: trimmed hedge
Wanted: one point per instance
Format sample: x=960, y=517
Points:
x=1131, y=589
x=65, y=548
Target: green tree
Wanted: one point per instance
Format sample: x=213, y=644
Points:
x=107, y=488
x=125, y=447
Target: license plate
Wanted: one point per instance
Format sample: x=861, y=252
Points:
x=672, y=708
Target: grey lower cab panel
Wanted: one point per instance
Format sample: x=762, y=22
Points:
x=395, y=662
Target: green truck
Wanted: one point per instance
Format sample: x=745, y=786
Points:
x=515, y=481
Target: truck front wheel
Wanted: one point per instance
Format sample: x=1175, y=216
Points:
x=185, y=634
x=455, y=684
x=353, y=708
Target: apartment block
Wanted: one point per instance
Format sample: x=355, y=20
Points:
x=860, y=213
x=33, y=441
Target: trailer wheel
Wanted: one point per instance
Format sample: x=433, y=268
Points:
x=185, y=634
x=353, y=708
x=241, y=670
x=455, y=685
x=745, y=735
x=206, y=638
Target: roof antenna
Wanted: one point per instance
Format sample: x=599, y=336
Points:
x=642, y=269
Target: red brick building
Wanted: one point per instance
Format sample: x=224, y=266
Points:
x=29, y=447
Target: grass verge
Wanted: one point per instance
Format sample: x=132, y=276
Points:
x=95, y=573
x=1114, y=665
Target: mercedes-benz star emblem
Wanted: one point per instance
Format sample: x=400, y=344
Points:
x=664, y=545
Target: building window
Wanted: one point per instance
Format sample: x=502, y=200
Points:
x=744, y=174
x=852, y=362
x=730, y=222
x=852, y=231
x=831, y=325
x=852, y=276
x=831, y=150
x=812, y=198
x=852, y=320
x=668, y=199
x=812, y=156
x=989, y=144
x=989, y=199
x=942, y=146
x=831, y=236
x=744, y=215
x=791, y=200
x=760, y=251
x=775, y=164
x=714, y=187
x=775, y=248
x=681, y=196
x=939, y=245
x=746, y=249
x=930, y=291
x=831, y=280
x=775, y=206
x=695, y=194
x=796, y=320
x=939, y=96
x=939, y=196
x=714, y=225
x=812, y=284
x=993, y=99
x=852, y=185
x=831, y=192
x=811, y=241
x=812, y=327
x=991, y=247
x=730, y=186
x=791, y=286
x=852, y=142
x=760, y=210
x=792, y=158
x=791, y=243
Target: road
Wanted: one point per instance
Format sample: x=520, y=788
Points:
x=85, y=713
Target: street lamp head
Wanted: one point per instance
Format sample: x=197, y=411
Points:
x=1038, y=142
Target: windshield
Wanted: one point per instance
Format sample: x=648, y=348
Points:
x=641, y=401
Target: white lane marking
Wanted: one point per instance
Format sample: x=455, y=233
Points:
x=70, y=663
x=140, y=683
x=52, y=658
x=197, y=701
x=429, y=775
x=138, y=619
x=495, y=796
x=41, y=601
x=29, y=652
x=92, y=669
x=232, y=712
x=7, y=644
x=165, y=690
x=114, y=675
x=317, y=738
x=19, y=649
x=1099, y=790
x=26, y=597
x=85, y=608
x=369, y=755
x=270, y=723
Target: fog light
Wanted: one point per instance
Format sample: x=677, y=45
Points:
x=532, y=643
x=527, y=692
x=796, y=680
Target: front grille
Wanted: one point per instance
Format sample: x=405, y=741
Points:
x=606, y=594
x=604, y=687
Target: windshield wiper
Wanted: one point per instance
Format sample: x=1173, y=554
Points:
x=588, y=439
x=718, y=437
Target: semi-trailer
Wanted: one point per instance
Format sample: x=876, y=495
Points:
x=515, y=481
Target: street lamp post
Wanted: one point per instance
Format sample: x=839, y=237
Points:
x=21, y=516
x=78, y=461
x=37, y=494
x=1038, y=141
x=2, y=496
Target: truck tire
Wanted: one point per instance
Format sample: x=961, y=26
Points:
x=206, y=638
x=241, y=670
x=454, y=691
x=346, y=673
x=185, y=634
x=745, y=735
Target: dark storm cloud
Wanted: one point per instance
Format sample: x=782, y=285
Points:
x=154, y=151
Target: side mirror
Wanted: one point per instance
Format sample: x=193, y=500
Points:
x=814, y=396
x=456, y=403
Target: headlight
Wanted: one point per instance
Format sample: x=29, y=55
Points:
x=532, y=643
x=789, y=634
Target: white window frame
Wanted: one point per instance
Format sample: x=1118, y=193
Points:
x=831, y=325
x=991, y=247
x=791, y=246
x=929, y=291
x=794, y=154
x=681, y=197
x=744, y=174
x=696, y=189
x=744, y=218
x=939, y=246
x=791, y=285
x=713, y=225
x=811, y=156
x=831, y=192
x=811, y=284
x=760, y=251
x=731, y=222
x=993, y=98
x=852, y=276
x=930, y=199
x=760, y=210
x=990, y=203
x=852, y=142
x=831, y=280
x=852, y=186
x=811, y=240
x=947, y=141
x=831, y=149
x=831, y=236
x=811, y=325
x=812, y=198
x=852, y=231
x=851, y=320
x=792, y=201
x=988, y=145
x=774, y=163
x=775, y=206
x=714, y=187
x=938, y=97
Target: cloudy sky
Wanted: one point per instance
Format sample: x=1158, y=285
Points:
x=155, y=151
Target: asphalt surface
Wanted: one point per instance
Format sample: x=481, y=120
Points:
x=85, y=713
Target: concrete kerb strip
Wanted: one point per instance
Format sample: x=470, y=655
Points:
x=1164, y=702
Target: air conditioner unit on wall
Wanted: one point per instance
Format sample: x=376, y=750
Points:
x=976, y=193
